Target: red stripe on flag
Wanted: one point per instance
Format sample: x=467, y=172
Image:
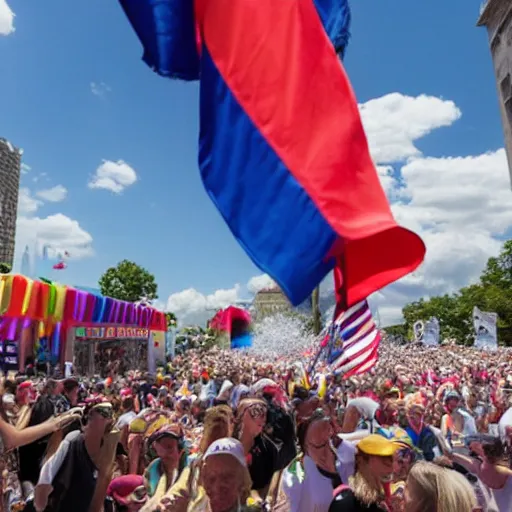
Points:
x=283, y=71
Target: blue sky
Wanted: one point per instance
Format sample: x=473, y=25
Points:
x=165, y=221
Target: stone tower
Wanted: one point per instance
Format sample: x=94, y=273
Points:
x=268, y=302
x=10, y=167
x=496, y=16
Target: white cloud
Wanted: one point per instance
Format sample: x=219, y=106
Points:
x=461, y=207
x=394, y=122
x=27, y=204
x=53, y=195
x=100, y=89
x=6, y=19
x=25, y=168
x=261, y=282
x=113, y=176
x=193, y=308
x=58, y=231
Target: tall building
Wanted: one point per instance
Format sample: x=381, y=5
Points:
x=10, y=167
x=268, y=302
x=496, y=16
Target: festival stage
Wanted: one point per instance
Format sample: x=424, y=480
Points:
x=48, y=320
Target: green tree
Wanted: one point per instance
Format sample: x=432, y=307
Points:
x=128, y=281
x=399, y=330
x=172, y=321
x=5, y=268
x=492, y=293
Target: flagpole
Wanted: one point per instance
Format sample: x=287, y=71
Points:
x=315, y=305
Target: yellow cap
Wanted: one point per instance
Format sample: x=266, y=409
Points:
x=377, y=445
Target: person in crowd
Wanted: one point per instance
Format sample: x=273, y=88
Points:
x=168, y=459
x=430, y=487
x=280, y=426
x=309, y=481
x=226, y=481
x=68, y=479
x=369, y=489
x=367, y=412
x=123, y=425
x=490, y=471
x=69, y=396
x=452, y=423
x=260, y=451
x=483, y=494
x=31, y=455
x=141, y=428
x=218, y=424
x=420, y=433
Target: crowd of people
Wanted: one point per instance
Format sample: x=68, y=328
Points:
x=426, y=429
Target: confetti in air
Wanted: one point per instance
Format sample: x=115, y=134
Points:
x=282, y=336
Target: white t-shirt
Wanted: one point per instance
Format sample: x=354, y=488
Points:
x=306, y=489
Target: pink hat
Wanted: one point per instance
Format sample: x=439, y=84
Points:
x=128, y=489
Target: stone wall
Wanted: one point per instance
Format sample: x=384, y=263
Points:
x=10, y=165
x=497, y=18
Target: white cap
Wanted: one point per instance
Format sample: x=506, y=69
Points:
x=227, y=446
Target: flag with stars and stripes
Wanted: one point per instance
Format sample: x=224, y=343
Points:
x=353, y=341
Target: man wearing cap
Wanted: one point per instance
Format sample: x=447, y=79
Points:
x=370, y=486
x=167, y=444
x=225, y=479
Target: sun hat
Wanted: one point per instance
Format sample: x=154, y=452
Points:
x=227, y=446
x=375, y=444
x=169, y=430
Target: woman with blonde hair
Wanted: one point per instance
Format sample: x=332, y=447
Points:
x=431, y=488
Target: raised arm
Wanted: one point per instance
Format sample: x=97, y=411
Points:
x=14, y=438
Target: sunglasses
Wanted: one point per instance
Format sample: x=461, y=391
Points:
x=404, y=454
x=140, y=493
x=257, y=411
x=104, y=412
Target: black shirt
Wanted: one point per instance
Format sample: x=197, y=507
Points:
x=346, y=501
x=32, y=454
x=75, y=482
x=263, y=462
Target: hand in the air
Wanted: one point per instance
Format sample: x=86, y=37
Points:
x=63, y=420
x=174, y=504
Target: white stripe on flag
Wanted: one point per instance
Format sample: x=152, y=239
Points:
x=350, y=358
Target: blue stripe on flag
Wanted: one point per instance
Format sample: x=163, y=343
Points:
x=269, y=213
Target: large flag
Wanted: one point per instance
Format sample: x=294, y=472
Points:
x=353, y=341
x=282, y=150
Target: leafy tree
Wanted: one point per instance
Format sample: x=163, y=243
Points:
x=128, y=281
x=5, y=268
x=172, y=321
x=492, y=293
x=399, y=330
